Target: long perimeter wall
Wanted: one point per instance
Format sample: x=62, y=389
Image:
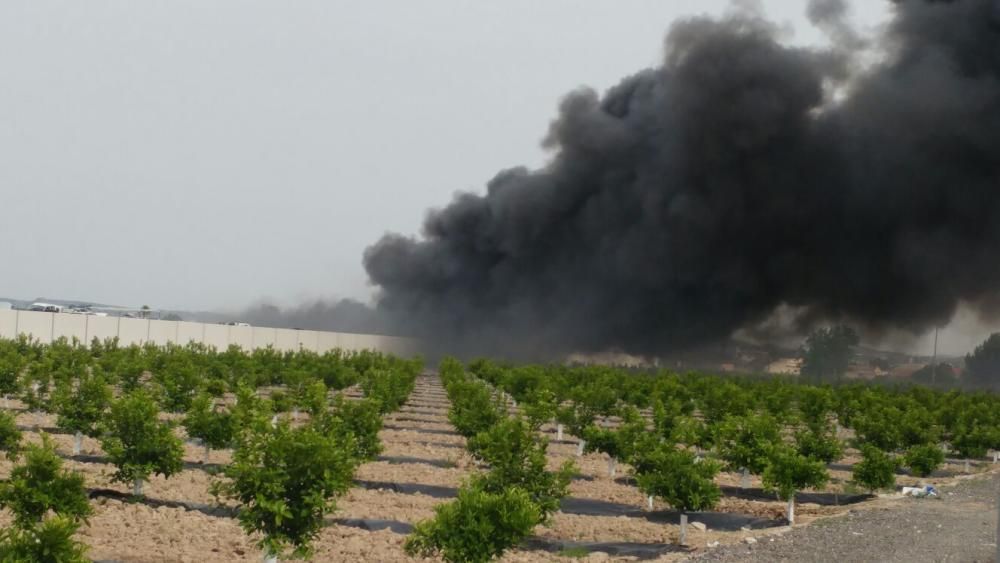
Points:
x=46, y=327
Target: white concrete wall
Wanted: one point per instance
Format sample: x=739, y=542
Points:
x=47, y=326
x=102, y=328
x=133, y=331
x=162, y=332
x=286, y=339
x=241, y=336
x=190, y=332
x=35, y=324
x=70, y=326
x=264, y=336
x=327, y=341
x=8, y=324
x=217, y=336
x=308, y=340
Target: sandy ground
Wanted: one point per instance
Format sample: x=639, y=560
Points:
x=136, y=532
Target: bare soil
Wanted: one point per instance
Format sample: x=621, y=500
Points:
x=433, y=456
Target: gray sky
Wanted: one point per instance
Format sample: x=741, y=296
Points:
x=205, y=155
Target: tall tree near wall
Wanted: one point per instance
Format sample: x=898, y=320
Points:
x=828, y=352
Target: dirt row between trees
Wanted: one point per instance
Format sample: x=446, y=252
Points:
x=424, y=461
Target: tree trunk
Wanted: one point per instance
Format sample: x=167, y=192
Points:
x=791, y=510
x=684, y=529
x=137, y=487
x=580, y=446
x=649, y=502
x=77, y=443
x=745, y=479
x=204, y=459
x=559, y=432
x=612, y=464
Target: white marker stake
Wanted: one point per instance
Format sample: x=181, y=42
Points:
x=684, y=529
x=580, y=447
x=611, y=468
x=649, y=502
x=791, y=511
x=77, y=443
x=745, y=479
x=559, y=432
x=137, y=487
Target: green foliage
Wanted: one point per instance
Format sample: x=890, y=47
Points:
x=819, y=444
x=828, y=352
x=10, y=436
x=281, y=401
x=624, y=442
x=179, y=381
x=354, y=422
x=473, y=407
x=81, y=405
x=50, y=541
x=539, y=408
x=12, y=363
x=678, y=478
x=204, y=421
x=879, y=426
x=973, y=440
x=516, y=456
x=877, y=469
x=285, y=480
x=744, y=441
x=923, y=459
x=40, y=484
x=476, y=527
x=788, y=471
x=137, y=443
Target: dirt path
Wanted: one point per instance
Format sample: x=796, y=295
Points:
x=960, y=527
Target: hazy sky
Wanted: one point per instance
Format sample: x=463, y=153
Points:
x=207, y=154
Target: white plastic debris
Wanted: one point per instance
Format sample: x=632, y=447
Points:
x=920, y=492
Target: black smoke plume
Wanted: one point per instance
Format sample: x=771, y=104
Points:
x=742, y=175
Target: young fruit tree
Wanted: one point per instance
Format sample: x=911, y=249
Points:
x=745, y=441
x=80, y=406
x=138, y=444
x=788, y=472
x=10, y=436
x=40, y=484
x=286, y=480
x=923, y=459
x=819, y=443
x=473, y=407
x=37, y=487
x=679, y=479
x=354, y=422
x=622, y=443
x=214, y=428
x=516, y=458
x=475, y=527
x=877, y=469
x=11, y=365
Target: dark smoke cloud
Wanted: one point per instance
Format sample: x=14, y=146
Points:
x=696, y=198
x=345, y=315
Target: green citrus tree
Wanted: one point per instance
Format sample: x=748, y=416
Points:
x=138, y=443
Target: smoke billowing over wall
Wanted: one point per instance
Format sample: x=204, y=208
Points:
x=742, y=175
